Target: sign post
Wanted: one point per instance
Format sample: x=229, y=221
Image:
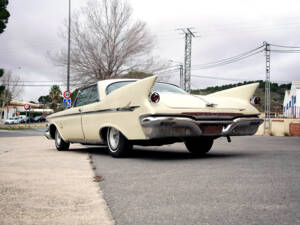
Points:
x=67, y=94
x=27, y=107
x=67, y=98
x=67, y=102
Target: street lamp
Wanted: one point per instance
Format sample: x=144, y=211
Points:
x=69, y=48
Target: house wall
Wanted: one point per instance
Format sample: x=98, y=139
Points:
x=285, y=103
x=291, y=103
x=11, y=111
x=279, y=127
x=298, y=103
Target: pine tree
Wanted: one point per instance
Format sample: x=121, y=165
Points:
x=4, y=15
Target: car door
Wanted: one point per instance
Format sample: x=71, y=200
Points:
x=91, y=116
x=72, y=124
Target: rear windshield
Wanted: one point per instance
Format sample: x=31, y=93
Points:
x=158, y=87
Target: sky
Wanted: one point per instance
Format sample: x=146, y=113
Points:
x=222, y=28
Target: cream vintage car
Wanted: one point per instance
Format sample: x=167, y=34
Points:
x=126, y=112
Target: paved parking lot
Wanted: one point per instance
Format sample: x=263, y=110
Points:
x=253, y=180
x=39, y=185
x=22, y=133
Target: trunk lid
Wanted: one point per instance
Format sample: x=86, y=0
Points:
x=182, y=101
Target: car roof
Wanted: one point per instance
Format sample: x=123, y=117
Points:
x=103, y=84
x=110, y=81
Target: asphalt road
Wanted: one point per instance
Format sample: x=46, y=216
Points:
x=19, y=133
x=253, y=180
x=22, y=133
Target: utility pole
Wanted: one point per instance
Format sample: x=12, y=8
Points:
x=69, y=48
x=267, y=124
x=187, y=58
x=181, y=76
x=181, y=83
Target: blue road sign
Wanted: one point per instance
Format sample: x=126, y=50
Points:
x=67, y=101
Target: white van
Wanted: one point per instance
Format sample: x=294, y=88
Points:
x=12, y=120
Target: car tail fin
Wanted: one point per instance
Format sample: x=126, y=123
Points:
x=244, y=92
x=133, y=93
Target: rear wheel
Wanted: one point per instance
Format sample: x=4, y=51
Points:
x=118, y=145
x=199, y=146
x=60, y=144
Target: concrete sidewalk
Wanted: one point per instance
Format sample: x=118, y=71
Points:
x=39, y=185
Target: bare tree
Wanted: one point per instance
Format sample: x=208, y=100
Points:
x=106, y=43
x=13, y=88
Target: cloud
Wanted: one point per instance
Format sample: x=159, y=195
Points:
x=226, y=28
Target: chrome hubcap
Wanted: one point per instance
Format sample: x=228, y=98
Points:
x=58, y=138
x=114, y=137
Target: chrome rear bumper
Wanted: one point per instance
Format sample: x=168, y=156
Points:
x=172, y=126
x=48, y=135
x=47, y=132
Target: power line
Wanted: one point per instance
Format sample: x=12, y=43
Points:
x=33, y=85
x=167, y=71
x=44, y=81
x=235, y=30
x=234, y=78
x=230, y=60
x=226, y=62
x=233, y=57
x=208, y=32
x=34, y=82
x=217, y=78
x=284, y=46
x=285, y=51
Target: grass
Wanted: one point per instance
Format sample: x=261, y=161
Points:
x=21, y=126
x=13, y=128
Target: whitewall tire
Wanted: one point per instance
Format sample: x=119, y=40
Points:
x=60, y=144
x=117, y=143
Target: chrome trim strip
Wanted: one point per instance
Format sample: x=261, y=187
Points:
x=121, y=109
x=208, y=116
x=169, y=118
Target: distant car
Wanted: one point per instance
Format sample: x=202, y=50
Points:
x=36, y=119
x=126, y=112
x=13, y=120
x=10, y=121
x=43, y=119
x=39, y=119
x=27, y=120
x=22, y=118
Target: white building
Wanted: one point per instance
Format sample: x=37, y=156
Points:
x=15, y=107
x=291, y=102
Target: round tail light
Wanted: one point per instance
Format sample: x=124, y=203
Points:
x=155, y=97
x=255, y=100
